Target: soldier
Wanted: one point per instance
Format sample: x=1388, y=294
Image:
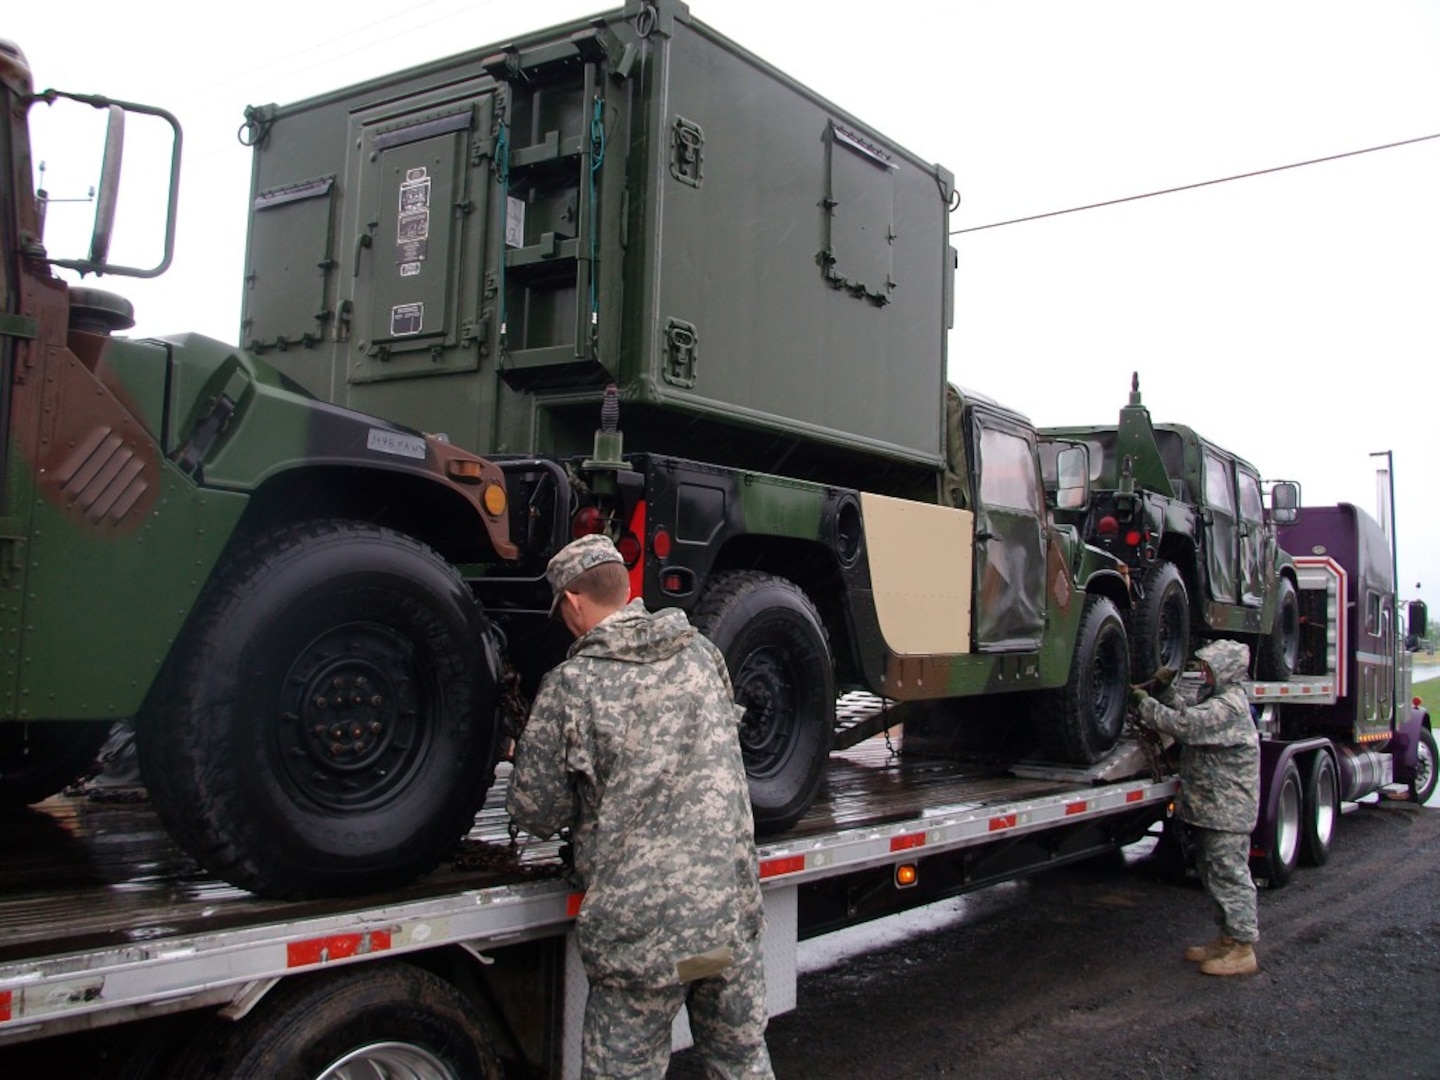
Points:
x=1219, y=793
x=632, y=744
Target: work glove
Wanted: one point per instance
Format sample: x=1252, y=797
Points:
x=1137, y=696
x=1163, y=677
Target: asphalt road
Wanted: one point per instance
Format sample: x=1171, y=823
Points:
x=1076, y=975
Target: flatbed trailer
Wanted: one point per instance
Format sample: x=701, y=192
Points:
x=106, y=926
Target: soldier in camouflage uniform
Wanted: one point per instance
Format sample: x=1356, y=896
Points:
x=1219, y=793
x=632, y=744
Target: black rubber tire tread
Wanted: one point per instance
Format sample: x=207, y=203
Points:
x=245, y=794
x=1423, y=786
x=39, y=759
x=308, y=1023
x=754, y=617
x=1068, y=725
x=1322, y=791
x=1280, y=649
x=1162, y=611
x=1279, y=869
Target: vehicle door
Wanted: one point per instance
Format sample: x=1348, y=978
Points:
x=1375, y=665
x=1254, y=537
x=1009, y=537
x=1221, y=529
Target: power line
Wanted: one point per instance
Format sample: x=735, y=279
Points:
x=1192, y=187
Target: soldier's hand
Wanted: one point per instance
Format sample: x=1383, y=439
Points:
x=1137, y=695
x=1163, y=677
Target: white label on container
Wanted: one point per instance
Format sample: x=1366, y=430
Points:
x=514, y=222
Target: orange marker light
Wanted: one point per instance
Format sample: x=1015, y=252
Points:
x=495, y=499
x=906, y=875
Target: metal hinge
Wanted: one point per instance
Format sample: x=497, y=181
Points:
x=21, y=326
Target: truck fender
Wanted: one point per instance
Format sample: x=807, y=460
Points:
x=1405, y=744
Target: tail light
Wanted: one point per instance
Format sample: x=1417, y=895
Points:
x=629, y=548
x=586, y=522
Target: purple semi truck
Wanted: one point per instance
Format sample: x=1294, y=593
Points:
x=1344, y=726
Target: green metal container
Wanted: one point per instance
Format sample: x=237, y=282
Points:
x=479, y=245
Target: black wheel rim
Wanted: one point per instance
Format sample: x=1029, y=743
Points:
x=766, y=686
x=1109, y=676
x=1170, y=632
x=352, y=726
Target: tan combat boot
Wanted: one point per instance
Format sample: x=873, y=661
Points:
x=1210, y=950
x=1238, y=960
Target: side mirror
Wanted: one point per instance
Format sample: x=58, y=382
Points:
x=1284, y=502
x=151, y=139
x=1072, y=473
x=109, y=185
x=1417, y=621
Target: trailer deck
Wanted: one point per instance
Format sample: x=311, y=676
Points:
x=102, y=918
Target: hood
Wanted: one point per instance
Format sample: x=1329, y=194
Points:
x=636, y=636
x=1229, y=660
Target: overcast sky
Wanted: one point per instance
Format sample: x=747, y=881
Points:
x=1290, y=317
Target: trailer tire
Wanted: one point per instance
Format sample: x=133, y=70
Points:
x=1322, y=809
x=1159, y=623
x=778, y=656
x=1423, y=784
x=1081, y=722
x=388, y=1019
x=1280, y=648
x=1283, y=849
x=330, y=725
x=39, y=759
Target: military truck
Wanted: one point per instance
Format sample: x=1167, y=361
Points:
x=485, y=245
x=265, y=583
x=1188, y=518
x=316, y=610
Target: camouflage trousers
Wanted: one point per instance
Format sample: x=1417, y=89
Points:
x=627, y=1030
x=1223, y=859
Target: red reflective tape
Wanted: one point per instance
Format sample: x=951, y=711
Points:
x=787, y=865
x=573, y=902
x=1005, y=821
x=322, y=950
x=905, y=843
x=5, y=999
x=1076, y=808
x=1134, y=796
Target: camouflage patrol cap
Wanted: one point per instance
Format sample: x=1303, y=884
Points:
x=574, y=559
x=1229, y=660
